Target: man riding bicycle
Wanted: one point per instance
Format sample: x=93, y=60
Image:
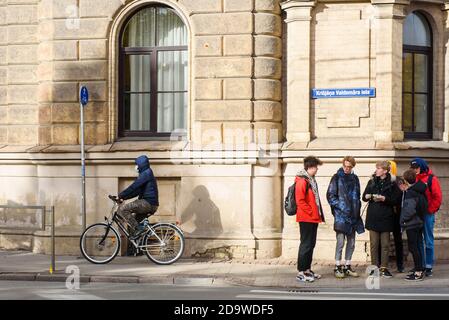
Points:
x=145, y=188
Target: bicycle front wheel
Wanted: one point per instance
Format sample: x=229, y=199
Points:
x=165, y=245
x=100, y=243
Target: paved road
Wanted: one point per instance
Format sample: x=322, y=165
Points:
x=36, y=290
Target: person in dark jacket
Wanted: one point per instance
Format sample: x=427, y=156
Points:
x=145, y=188
x=413, y=209
x=382, y=195
x=397, y=232
x=343, y=196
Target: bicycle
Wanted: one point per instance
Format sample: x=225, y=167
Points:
x=162, y=243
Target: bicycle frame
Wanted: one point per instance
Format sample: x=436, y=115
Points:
x=116, y=219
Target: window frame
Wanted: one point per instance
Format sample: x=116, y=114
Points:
x=153, y=52
x=428, y=52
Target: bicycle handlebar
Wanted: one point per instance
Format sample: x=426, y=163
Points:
x=114, y=198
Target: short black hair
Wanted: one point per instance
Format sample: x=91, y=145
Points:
x=312, y=162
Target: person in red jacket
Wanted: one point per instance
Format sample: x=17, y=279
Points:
x=434, y=198
x=309, y=214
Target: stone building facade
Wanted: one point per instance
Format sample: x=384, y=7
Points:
x=218, y=94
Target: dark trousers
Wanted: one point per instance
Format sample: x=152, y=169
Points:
x=136, y=211
x=398, y=245
x=415, y=243
x=308, y=233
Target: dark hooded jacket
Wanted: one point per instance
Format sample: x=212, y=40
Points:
x=414, y=206
x=343, y=195
x=380, y=215
x=145, y=186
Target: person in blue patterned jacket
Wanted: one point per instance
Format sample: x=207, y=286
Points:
x=343, y=196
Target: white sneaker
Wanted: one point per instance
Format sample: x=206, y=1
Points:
x=305, y=277
x=317, y=276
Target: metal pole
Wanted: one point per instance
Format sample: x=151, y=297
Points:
x=53, y=263
x=83, y=172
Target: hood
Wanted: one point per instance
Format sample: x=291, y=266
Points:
x=143, y=163
x=421, y=163
x=303, y=174
x=342, y=173
x=419, y=187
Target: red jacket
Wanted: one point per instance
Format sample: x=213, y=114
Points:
x=307, y=209
x=436, y=197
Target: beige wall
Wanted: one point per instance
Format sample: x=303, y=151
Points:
x=229, y=202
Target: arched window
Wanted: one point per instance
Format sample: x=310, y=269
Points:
x=417, y=77
x=153, y=74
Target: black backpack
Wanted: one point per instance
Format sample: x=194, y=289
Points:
x=290, y=200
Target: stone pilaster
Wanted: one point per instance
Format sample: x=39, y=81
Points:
x=299, y=16
x=446, y=73
x=388, y=24
x=266, y=193
x=267, y=72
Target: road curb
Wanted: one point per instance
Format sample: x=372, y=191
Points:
x=157, y=280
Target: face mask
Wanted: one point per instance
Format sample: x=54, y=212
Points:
x=136, y=168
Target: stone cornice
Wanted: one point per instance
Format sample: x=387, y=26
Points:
x=390, y=2
x=286, y=5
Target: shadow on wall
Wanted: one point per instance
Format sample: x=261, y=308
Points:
x=203, y=214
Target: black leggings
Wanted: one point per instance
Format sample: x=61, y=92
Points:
x=415, y=241
x=308, y=233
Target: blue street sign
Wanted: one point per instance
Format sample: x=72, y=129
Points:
x=344, y=93
x=84, y=96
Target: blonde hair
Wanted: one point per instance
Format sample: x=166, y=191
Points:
x=384, y=165
x=349, y=159
x=394, y=167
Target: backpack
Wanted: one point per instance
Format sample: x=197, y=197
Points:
x=429, y=182
x=290, y=200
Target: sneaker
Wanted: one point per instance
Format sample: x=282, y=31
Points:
x=339, y=272
x=305, y=277
x=317, y=276
x=385, y=273
x=349, y=272
x=428, y=272
x=415, y=277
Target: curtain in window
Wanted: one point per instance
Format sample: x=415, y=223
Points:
x=163, y=32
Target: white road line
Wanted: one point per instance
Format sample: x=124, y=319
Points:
x=297, y=297
x=422, y=295
x=64, y=294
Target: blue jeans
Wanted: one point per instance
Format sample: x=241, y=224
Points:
x=428, y=248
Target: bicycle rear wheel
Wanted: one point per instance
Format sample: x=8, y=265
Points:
x=169, y=249
x=100, y=243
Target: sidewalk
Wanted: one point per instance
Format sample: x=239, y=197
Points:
x=267, y=273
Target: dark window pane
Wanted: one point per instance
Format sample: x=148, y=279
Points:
x=407, y=71
x=171, y=30
x=172, y=112
x=137, y=73
x=407, y=113
x=139, y=32
x=421, y=73
x=137, y=111
x=421, y=113
x=172, y=71
x=416, y=31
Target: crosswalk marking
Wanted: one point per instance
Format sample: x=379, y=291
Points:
x=65, y=294
x=354, y=293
